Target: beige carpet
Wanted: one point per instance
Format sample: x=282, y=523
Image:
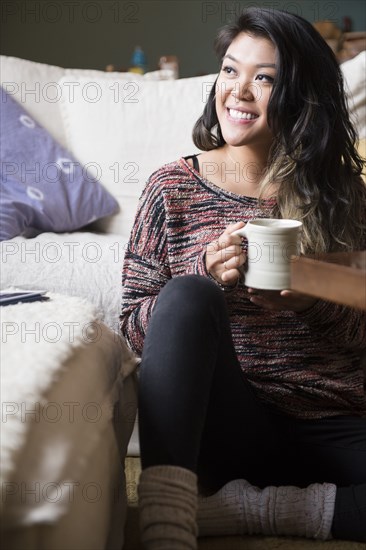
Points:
x=221, y=543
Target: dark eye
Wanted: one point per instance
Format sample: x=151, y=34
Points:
x=265, y=78
x=228, y=70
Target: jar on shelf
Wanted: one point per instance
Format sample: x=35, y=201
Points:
x=169, y=63
x=138, y=61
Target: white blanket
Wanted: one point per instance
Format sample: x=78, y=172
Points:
x=37, y=340
x=81, y=264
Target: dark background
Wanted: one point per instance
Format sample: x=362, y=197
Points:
x=91, y=34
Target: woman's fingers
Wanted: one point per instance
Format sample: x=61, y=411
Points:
x=227, y=238
x=231, y=254
x=281, y=300
x=225, y=256
x=233, y=262
x=230, y=275
x=233, y=227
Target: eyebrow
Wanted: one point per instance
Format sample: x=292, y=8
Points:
x=258, y=66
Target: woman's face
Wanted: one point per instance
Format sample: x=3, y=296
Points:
x=243, y=89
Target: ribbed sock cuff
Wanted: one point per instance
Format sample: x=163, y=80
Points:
x=329, y=496
x=175, y=474
x=168, y=507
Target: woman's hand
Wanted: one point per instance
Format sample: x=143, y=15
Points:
x=281, y=300
x=225, y=256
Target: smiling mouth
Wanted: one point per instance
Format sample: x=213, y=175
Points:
x=240, y=115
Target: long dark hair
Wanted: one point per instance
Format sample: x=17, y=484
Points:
x=313, y=159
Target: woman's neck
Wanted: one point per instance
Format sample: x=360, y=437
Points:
x=243, y=169
x=236, y=169
x=250, y=163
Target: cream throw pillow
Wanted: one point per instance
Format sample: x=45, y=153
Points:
x=125, y=129
x=354, y=72
x=35, y=86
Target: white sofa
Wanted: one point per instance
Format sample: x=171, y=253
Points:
x=128, y=129
x=122, y=126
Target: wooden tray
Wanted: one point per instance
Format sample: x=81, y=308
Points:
x=338, y=277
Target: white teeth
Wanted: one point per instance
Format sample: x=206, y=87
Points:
x=239, y=114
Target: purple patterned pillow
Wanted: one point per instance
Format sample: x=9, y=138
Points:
x=43, y=187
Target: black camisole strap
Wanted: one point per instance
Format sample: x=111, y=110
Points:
x=195, y=162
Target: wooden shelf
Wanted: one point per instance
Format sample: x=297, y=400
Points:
x=337, y=277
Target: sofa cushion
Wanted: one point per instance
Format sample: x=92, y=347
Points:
x=35, y=86
x=128, y=128
x=354, y=73
x=43, y=188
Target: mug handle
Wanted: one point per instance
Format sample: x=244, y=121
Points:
x=243, y=232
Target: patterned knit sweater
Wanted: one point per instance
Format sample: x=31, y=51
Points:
x=304, y=364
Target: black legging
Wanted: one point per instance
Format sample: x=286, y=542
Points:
x=196, y=410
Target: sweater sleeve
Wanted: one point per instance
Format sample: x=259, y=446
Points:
x=145, y=269
x=340, y=324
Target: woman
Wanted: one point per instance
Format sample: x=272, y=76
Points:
x=253, y=400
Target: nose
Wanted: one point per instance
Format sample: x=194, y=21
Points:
x=246, y=91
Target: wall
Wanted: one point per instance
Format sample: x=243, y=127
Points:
x=95, y=33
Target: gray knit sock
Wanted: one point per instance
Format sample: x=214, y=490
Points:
x=240, y=508
x=168, y=508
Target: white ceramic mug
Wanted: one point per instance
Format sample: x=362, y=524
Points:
x=271, y=244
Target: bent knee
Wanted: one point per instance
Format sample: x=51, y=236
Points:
x=195, y=288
